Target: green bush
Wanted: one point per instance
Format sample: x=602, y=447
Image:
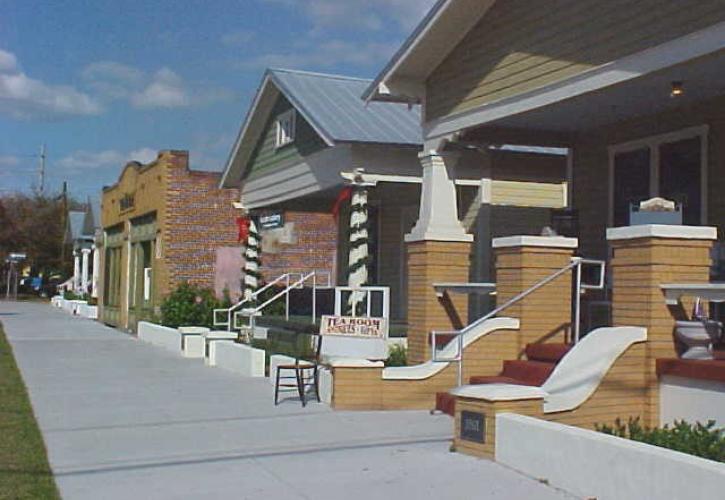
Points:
x=397, y=356
x=702, y=440
x=190, y=305
x=71, y=295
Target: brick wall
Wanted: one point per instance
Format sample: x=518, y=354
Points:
x=200, y=219
x=307, y=243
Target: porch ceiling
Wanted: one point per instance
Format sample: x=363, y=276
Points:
x=702, y=78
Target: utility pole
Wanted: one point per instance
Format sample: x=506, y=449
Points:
x=63, y=220
x=41, y=173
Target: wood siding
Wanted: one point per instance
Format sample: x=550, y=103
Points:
x=521, y=45
x=266, y=155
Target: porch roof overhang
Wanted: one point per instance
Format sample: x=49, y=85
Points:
x=637, y=85
x=445, y=25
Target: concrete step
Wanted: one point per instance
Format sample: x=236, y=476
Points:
x=551, y=353
x=529, y=372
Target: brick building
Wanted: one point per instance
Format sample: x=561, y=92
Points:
x=164, y=224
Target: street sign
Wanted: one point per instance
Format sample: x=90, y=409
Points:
x=17, y=256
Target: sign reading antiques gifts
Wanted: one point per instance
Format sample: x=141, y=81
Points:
x=348, y=326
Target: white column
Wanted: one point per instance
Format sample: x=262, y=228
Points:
x=76, y=271
x=84, y=269
x=438, y=218
x=96, y=271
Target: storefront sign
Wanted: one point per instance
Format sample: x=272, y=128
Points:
x=473, y=426
x=348, y=326
x=271, y=220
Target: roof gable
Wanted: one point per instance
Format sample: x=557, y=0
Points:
x=332, y=106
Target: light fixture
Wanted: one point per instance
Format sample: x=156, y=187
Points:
x=677, y=89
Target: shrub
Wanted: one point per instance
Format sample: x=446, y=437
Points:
x=397, y=356
x=702, y=440
x=71, y=295
x=190, y=305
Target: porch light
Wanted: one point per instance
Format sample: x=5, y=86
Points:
x=677, y=89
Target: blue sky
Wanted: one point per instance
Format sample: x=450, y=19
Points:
x=101, y=82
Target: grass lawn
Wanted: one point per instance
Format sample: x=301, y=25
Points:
x=24, y=469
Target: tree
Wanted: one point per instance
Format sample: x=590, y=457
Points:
x=34, y=224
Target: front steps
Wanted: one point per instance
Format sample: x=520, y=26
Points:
x=533, y=371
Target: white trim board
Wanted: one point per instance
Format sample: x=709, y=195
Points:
x=662, y=231
x=668, y=54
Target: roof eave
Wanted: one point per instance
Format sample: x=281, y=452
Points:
x=445, y=25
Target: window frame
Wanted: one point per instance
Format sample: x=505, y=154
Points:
x=285, y=136
x=653, y=143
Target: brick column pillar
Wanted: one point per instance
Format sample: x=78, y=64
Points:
x=522, y=261
x=645, y=257
x=438, y=251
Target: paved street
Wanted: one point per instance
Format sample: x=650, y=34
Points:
x=123, y=419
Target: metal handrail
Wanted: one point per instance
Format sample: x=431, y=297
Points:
x=251, y=298
x=251, y=313
x=576, y=262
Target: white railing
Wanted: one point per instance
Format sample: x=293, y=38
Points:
x=367, y=294
x=575, y=265
x=286, y=279
x=252, y=312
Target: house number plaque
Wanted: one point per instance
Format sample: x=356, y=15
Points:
x=473, y=426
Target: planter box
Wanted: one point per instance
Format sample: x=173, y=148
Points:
x=238, y=358
x=162, y=336
x=590, y=464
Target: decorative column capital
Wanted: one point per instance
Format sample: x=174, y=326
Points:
x=438, y=216
x=85, y=251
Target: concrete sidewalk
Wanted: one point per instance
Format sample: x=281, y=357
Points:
x=122, y=419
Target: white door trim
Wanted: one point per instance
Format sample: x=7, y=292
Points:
x=652, y=143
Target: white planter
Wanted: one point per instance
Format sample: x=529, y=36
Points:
x=194, y=346
x=238, y=358
x=276, y=360
x=693, y=400
x=162, y=336
x=590, y=464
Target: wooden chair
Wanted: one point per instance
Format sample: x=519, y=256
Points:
x=305, y=372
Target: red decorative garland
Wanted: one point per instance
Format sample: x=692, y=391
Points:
x=243, y=225
x=344, y=195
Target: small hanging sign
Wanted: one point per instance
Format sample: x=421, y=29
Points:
x=272, y=220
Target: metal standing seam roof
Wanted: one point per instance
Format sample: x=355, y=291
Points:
x=333, y=104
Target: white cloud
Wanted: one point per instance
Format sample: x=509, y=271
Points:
x=166, y=90
x=8, y=61
x=83, y=160
x=162, y=89
x=9, y=161
x=308, y=55
x=111, y=79
x=360, y=15
x=28, y=98
x=239, y=38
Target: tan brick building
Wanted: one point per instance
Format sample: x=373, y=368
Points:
x=164, y=224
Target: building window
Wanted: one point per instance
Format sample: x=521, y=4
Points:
x=673, y=166
x=285, y=128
